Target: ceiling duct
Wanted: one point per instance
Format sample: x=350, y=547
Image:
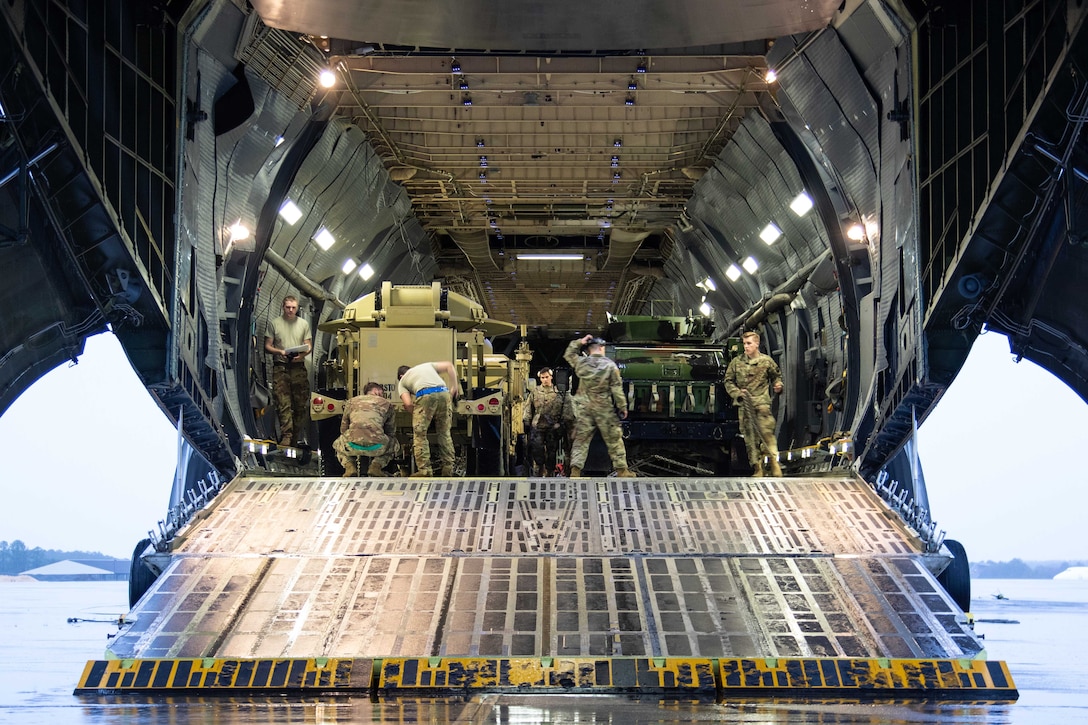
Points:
x=622, y=246
x=477, y=247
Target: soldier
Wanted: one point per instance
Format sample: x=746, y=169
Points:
x=287, y=339
x=602, y=399
x=426, y=396
x=547, y=416
x=748, y=380
x=367, y=428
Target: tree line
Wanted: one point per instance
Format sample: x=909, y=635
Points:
x=1018, y=569
x=16, y=558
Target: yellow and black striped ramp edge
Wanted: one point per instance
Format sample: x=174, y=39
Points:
x=703, y=677
x=549, y=674
x=931, y=678
x=202, y=675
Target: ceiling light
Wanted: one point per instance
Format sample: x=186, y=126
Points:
x=463, y=84
x=708, y=284
x=801, y=204
x=617, y=142
x=631, y=85
x=324, y=239
x=455, y=67
x=856, y=232
x=770, y=76
x=550, y=257
x=327, y=78
x=238, y=231
x=770, y=234
x=479, y=143
x=466, y=100
x=733, y=273
x=705, y=309
x=366, y=272
x=349, y=265
x=750, y=265
x=641, y=68
x=629, y=101
x=290, y=213
x=279, y=140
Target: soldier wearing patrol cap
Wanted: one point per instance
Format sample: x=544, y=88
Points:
x=603, y=404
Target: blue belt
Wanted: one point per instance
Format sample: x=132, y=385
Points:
x=357, y=447
x=427, y=391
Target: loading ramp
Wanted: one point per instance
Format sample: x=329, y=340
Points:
x=810, y=586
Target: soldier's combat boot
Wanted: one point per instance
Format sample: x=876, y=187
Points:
x=757, y=471
x=625, y=473
x=375, y=470
x=575, y=472
x=776, y=470
x=447, y=471
x=350, y=471
x=422, y=473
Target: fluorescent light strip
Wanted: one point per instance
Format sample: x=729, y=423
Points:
x=551, y=257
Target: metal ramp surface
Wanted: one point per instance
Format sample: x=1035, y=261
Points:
x=455, y=577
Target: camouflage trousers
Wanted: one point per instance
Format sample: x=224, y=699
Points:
x=757, y=427
x=388, y=448
x=439, y=408
x=291, y=388
x=545, y=442
x=605, y=420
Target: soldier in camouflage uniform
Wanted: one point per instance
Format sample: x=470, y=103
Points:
x=600, y=388
x=367, y=429
x=425, y=395
x=547, y=415
x=749, y=380
x=290, y=380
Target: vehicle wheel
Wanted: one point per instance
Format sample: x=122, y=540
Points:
x=140, y=576
x=956, y=578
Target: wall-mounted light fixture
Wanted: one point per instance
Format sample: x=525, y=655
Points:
x=750, y=265
x=324, y=239
x=770, y=234
x=366, y=272
x=290, y=212
x=801, y=204
x=733, y=273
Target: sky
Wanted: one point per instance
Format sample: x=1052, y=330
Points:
x=89, y=459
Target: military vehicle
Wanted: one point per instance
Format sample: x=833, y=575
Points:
x=410, y=324
x=680, y=420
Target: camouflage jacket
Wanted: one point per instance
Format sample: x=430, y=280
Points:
x=599, y=378
x=546, y=407
x=367, y=418
x=756, y=375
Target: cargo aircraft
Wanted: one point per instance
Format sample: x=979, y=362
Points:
x=868, y=184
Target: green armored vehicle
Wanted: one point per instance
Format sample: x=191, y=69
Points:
x=680, y=419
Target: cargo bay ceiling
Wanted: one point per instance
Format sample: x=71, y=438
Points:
x=150, y=150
